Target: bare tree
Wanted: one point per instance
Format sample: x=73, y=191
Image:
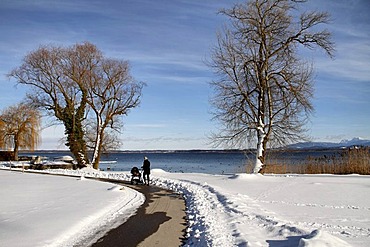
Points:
x=69, y=81
x=20, y=128
x=112, y=93
x=264, y=89
x=56, y=75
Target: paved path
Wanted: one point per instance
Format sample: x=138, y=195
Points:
x=160, y=221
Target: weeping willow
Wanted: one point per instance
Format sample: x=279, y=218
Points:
x=19, y=128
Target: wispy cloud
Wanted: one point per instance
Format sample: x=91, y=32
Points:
x=350, y=26
x=164, y=139
x=167, y=43
x=352, y=62
x=144, y=126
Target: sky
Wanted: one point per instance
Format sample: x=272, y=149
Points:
x=167, y=43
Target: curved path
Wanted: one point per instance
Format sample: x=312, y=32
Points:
x=160, y=221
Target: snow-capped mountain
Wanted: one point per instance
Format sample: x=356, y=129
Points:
x=355, y=142
x=344, y=143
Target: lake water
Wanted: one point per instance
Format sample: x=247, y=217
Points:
x=214, y=162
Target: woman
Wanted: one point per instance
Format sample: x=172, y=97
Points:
x=146, y=168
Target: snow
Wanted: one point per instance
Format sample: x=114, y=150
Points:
x=222, y=210
x=256, y=210
x=41, y=210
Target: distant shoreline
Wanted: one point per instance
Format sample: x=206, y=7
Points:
x=316, y=149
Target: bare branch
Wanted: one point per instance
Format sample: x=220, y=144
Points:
x=263, y=91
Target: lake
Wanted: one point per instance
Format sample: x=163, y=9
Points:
x=201, y=161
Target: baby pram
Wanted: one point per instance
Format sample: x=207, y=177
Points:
x=136, y=176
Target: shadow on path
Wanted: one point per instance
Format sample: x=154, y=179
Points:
x=148, y=219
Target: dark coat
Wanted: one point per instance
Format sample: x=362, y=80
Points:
x=146, y=167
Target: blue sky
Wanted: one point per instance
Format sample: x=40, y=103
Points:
x=167, y=43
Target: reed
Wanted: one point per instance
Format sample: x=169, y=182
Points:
x=348, y=161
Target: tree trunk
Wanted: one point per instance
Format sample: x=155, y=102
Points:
x=72, y=119
x=260, y=154
x=16, y=148
x=98, y=140
x=261, y=134
x=75, y=141
x=78, y=149
x=97, y=149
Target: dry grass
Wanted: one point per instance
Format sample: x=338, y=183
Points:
x=349, y=161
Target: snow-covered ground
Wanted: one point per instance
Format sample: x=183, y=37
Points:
x=222, y=210
x=42, y=210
